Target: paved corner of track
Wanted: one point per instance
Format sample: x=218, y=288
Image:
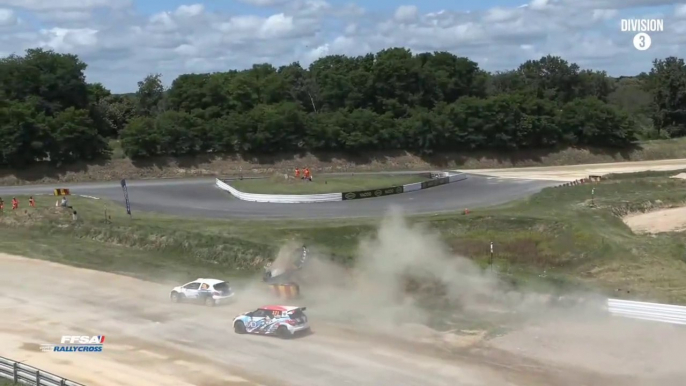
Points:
x=201, y=198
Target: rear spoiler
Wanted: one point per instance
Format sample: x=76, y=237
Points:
x=303, y=308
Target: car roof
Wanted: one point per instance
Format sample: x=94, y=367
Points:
x=210, y=281
x=279, y=308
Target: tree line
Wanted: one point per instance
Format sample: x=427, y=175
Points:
x=390, y=100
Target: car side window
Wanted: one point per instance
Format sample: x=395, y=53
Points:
x=192, y=286
x=259, y=314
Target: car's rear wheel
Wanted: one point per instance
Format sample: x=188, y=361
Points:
x=283, y=333
x=239, y=327
x=209, y=302
x=175, y=297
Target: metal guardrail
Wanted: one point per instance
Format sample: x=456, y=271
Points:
x=449, y=177
x=29, y=375
x=278, y=198
x=665, y=313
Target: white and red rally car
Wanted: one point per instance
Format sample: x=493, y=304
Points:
x=282, y=321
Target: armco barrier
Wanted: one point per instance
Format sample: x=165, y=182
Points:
x=279, y=198
x=372, y=193
x=446, y=178
x=655, y=312
x=28, y=375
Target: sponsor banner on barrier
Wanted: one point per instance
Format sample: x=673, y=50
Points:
x=372, y=193
x=435, y=182
x=61, y=192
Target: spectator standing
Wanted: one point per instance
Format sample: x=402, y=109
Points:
x=32, y=202
x=15, y=203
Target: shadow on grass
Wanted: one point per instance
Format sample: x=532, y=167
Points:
x=392, y=159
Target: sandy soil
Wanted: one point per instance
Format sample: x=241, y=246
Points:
x=659, y=221
x=664, y=220
x=648, y=352
x=153, y=342
x=577, y=172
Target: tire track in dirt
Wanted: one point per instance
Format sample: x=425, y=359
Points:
x=153, y=342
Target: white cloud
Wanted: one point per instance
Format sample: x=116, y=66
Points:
x=8, y=18
x=121, y=45
x=189, y=10
x=617, y=4
x=406, y=13
x=539, y=4
x=264, y=3
x=62, y=39
x=604, y=14
x=48, y=5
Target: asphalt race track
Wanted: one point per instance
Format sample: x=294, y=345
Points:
x=201, y=198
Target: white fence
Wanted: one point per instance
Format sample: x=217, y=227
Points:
x=330, y=197
x=655, y=312
x=28, y=375
x=279, y=198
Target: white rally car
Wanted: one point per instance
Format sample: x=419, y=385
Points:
x=282, y=321
x=206, y=291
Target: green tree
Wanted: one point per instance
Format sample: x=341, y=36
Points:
x=139, y=139
x=667, y=83
x=22, y=134
x=150, y=95
x=74, y=137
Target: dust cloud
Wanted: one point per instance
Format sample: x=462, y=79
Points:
x=405, y=274
x=405, y=277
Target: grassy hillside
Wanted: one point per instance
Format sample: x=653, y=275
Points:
x=554, y=239
x=121, y=167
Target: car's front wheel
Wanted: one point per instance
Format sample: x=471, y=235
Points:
x=175, y=297
x=239, y=327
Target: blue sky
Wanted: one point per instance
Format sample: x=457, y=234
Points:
x=122, y=41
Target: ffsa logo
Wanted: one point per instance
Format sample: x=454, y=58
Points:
x=77, y=343
x=87, y=340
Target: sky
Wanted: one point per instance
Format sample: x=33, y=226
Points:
x=122, y=41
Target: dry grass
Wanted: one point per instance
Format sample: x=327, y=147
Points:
x=555, y=239
x=119, y=168
x=324, y=184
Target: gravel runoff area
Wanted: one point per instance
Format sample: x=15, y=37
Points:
x=152, y=342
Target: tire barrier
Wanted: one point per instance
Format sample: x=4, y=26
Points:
x=442, y=178
x=655, y=312
x=583, y=181
x=61, y=192
x=285, y=291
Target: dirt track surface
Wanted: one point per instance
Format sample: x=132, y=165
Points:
x=658, y=221
x=150, y=341
x=577, y=172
